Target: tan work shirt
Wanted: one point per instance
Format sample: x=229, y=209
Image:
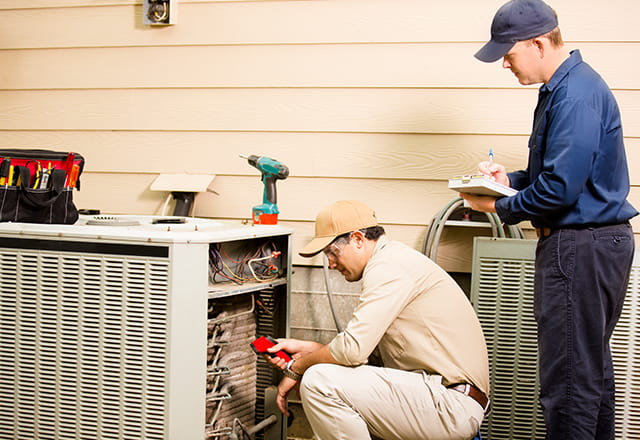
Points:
x=418, y=318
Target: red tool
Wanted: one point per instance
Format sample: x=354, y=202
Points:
x=68, y=166
x=73, y=177
x=261, y=344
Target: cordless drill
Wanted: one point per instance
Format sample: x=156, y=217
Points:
x=272, y=170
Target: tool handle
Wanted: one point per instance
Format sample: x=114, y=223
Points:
x=260, y=345
x=4, y=168
x=270, y=195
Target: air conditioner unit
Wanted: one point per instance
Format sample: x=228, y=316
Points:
x=106, y=329
x=502, y=295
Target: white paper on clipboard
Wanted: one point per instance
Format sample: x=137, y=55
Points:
x=480, y=185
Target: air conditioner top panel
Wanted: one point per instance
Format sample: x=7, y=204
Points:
x=147, y=229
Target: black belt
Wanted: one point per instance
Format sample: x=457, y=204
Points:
x=472, y=391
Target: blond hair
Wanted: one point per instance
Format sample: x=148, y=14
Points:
x=554, y=37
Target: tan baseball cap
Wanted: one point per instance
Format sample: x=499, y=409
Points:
x=337, y=219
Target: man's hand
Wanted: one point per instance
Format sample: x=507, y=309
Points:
x=480, y=203
x=306, y=354
x=285, y=386
x=495, y=171
x=296, y=347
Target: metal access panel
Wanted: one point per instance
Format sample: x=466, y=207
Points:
x=625, y=350
x=87, y=349
x=502, y=295
x=103, y=330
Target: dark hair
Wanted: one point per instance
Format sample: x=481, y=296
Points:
x=371, y=233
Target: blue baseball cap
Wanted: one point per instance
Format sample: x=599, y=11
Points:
x=517, y=20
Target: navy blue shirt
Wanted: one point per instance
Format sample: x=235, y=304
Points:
x=577, y=173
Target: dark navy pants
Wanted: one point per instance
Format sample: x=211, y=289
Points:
x=581, y=278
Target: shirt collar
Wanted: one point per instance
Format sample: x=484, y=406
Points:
x=562, y=71
x=382, y=241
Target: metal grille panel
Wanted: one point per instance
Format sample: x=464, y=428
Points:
x=625, y=350
x=502, y=294
x=83, y=342
x=504, y=304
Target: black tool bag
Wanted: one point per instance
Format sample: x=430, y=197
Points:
x=36, y=186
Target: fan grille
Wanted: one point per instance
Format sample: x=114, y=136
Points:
x=83, y=343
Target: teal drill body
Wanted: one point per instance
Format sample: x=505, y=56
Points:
x=272, y=170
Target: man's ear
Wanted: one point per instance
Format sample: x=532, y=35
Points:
x=358, y=237
x=539, y=44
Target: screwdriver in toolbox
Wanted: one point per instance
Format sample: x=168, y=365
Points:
x=68, y=166
x=46, y=173
x=73, y=177
x=10, y=177
x=4, y=171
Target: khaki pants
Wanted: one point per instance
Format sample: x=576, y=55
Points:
x=347, y=403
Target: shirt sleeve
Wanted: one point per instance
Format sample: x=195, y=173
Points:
x=572, y=136
x=519, y=179
x=385, y=292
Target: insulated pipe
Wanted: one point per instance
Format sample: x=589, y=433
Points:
x=432, y=227
x=262, y=425
x=432, y=246
x=437, y=225
x=451, y=207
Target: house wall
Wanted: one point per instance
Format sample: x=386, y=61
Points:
x=378, y=100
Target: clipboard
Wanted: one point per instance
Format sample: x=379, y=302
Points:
x=480, y=185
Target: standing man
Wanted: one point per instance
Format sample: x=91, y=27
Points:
x=434, y=378
x=574, y=192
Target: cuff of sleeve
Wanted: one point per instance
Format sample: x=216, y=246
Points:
x=500, y=209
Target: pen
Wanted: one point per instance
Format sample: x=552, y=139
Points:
x=490, y=156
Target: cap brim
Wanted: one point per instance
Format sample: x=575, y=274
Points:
x=315, y=246
x=493, y=51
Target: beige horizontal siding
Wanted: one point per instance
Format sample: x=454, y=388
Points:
x=298, y=198
x=356, y=155
x=379, y=100
x=38, y=4
x=408, y=65
x=109, y=23
x=344, y=110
